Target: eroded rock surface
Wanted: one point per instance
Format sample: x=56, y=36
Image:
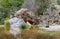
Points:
x=15, y=24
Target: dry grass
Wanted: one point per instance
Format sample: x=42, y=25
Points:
x=30, y=34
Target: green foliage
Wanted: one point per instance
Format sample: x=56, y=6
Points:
x=58, y=1
x=47, y=33
x=47, y=26
x=42, y=6
x=7, y=24
x=53, y=8
x=8, y=7
x=24, y=26
x=33, y=26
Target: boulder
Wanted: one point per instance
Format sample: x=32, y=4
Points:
x=27, y=15
x=15, y=24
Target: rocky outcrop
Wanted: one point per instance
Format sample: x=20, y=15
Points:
x=27, y=16
x=15, y=24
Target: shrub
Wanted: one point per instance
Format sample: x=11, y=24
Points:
x=47, y=26
x=7, y=24
x=24, y=26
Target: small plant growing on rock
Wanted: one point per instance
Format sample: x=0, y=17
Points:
x=34, y=27
x=47, y=26
x=24, y=26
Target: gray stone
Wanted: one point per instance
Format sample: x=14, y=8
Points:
x=15, y=24
x=29, y=4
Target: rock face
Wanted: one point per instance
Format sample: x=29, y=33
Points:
x=24, y=10
x=51, y=17
x=29, y=4
x=44, y=19
x=52, y=28
x=27, y=16
x=15, y=24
